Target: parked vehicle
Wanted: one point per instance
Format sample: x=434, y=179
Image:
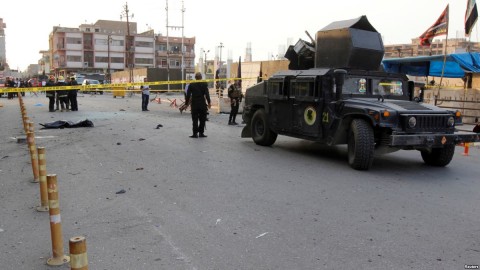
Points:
x=336, y=93
x=92, y=82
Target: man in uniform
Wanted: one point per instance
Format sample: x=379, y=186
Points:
x=235, y=96
x=51, y=94
x=72, y=95
x=62, y=94
x=199, y=98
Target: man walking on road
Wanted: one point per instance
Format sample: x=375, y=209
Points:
x=198, y=94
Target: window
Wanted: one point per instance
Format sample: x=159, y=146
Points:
x=100, y=41
x=145, y=61
x=71, y=40
x=144, y=44
x=74, y=58
x=161, y=47
x=275, y=88
x=387, y=87
x=116, y=60
x=304, y=89
x=355, y=86
x=117, y=42
x=101, y=59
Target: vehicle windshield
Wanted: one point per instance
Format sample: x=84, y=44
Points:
x=372, y=86
x=387, y=87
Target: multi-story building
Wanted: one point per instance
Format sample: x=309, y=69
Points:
x=106, y=47
x=169, y=53
x=454, y=45
x=3, y=55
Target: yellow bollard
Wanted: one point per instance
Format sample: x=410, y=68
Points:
x=25, y=125
x=33, y=155
x=42, y=172
x=59, y=258
x=78, y=253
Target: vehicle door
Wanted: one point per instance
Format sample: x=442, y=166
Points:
x=307, y=107
x=280, y=104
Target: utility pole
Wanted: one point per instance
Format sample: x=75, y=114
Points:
x=205, y=62
x=168, y=47
x=129, y=43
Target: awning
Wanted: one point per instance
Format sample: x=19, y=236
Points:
x=456, y=65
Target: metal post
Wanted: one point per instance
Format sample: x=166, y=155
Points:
x=59, y=257
x=33, y=155
x=42, y=171
x=78, y=253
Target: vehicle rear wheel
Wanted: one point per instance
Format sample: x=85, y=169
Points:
x=439, y=157
x=361, y=145
x=261, y=133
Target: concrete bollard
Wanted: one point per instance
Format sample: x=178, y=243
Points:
x=78, y=253
x=42, y=173
x=59, y=258
x=25, y=125
x=33, y=155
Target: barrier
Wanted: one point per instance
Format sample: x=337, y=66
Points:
x=42, y=172
x=78, y=253
x=59, y=258
x=33, y=155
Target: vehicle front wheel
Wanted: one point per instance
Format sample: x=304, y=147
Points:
x=439, y=157
x=361, y=145
x=261, y=133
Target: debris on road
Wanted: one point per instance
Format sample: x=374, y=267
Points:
x=121, y=191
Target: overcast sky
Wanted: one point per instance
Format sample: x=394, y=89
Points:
x=266, y=24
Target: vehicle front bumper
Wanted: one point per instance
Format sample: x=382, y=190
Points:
x=432, y=140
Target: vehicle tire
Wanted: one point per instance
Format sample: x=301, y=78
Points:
x=361, y=145
x=439, y=157
x=261, y=133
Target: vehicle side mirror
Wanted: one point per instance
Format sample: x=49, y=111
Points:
x=340, y=75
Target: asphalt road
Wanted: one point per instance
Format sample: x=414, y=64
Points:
x=223, y=202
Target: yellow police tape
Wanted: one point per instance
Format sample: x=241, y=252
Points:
x=109, y=87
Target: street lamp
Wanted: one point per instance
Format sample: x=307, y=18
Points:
x=205, y=62
x=129, y=45
x=109, y=74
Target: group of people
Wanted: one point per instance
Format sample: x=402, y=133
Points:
x=66, y=100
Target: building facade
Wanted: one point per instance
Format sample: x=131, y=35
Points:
x=105, y=47
x=454, y=45
x=3, y=54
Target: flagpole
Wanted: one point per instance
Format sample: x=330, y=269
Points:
x=443, y=67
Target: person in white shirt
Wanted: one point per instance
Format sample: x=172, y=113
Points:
x=145, y=95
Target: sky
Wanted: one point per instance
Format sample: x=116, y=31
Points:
x=265, y=24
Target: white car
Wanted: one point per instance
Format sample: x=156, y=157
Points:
x=92, y=82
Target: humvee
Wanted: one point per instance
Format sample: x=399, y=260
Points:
x=335, y=92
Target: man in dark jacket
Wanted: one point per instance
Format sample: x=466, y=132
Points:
x=72, y=95
x=199, y=98
x=51, y=94
x=62, y=94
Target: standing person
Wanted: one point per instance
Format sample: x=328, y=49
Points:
x=11, y=84
x=51, y=94
x=72, y=95
x=62, y=94
x=145, y=95
x=235, y=95
x=198, y=94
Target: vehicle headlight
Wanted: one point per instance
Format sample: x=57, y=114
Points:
x=412, y=122
x=451, y=121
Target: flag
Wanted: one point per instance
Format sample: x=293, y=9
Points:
x=471, y=16
x=239, y=72
x=440, y=27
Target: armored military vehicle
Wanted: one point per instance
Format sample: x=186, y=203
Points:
x=335, y=92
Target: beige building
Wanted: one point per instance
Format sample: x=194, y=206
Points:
x=105, y=47
x=454, y=45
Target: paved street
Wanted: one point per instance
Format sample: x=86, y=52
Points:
x=223, y=202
